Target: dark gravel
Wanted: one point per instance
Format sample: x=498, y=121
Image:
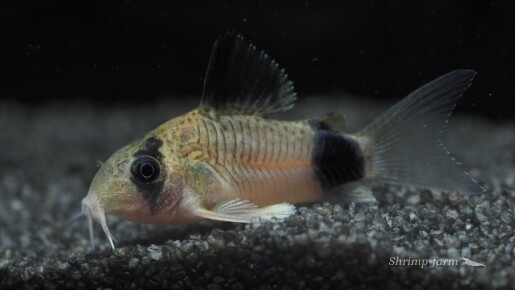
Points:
x=48, y=160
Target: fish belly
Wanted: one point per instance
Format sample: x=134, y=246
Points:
x=272, y=186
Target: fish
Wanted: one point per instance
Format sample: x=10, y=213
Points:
x=229, y=160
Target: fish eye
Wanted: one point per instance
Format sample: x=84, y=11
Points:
x=145, y=169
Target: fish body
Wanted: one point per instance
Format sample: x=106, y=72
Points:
x=228, y=160
x=252, y=158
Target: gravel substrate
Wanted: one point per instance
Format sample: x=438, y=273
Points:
x=48, y=160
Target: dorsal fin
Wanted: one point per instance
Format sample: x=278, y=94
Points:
x=241, y=80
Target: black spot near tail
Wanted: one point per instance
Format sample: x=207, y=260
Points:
x=336, y=159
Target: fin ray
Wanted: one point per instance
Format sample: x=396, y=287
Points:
x=360, y=193
x=404, y=144
x=235, y=206
x=242, y=211
x=241, y=80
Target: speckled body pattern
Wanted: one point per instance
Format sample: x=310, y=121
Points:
x=248, y=157
x=227, y=161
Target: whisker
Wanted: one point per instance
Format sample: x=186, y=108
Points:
x=107, y=232
x=99, y=163
x=90, y=226
x=74, y=217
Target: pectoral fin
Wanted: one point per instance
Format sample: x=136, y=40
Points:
x=242, y=211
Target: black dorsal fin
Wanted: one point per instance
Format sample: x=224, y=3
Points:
x=241, y=80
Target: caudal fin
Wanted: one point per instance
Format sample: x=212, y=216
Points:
x=404, y=145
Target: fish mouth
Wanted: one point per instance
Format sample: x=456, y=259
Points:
x=93, y=211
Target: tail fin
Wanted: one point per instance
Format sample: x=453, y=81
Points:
x=404, y=145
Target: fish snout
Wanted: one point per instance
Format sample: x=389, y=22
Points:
x=93, y=211
x=91, y=206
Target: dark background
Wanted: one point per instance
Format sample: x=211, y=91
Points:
x=119, y=52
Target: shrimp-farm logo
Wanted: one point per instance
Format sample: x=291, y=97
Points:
x=432, y=262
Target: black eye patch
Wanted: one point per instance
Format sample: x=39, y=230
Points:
x=148, y=173
x=152, y=146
